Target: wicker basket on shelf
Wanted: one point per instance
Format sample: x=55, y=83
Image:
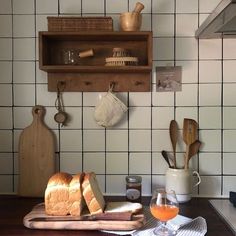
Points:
x=70, y=24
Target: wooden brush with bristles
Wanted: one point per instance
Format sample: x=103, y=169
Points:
x=121, y=57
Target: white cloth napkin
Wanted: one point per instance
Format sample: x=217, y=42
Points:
x=183, y=226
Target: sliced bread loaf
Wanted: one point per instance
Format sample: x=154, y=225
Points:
x=92, y=194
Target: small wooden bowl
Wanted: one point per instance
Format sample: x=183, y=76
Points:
x=130, y=21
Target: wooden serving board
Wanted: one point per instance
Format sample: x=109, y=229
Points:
x=36, y=156
x=137, y=221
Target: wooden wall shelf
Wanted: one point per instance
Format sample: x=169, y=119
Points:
x=91, y=74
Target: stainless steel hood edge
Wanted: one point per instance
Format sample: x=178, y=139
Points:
x=220, y=23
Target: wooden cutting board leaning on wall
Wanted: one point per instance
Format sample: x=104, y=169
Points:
x=36, y=156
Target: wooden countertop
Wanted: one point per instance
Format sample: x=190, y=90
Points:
x=13, y=209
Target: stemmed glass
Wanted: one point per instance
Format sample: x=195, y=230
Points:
x=163, y=206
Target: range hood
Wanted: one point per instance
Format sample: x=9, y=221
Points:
x=221, y=23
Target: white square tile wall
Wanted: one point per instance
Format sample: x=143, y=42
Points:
x=24, y=26
x=113, y=6
x=134, y=145
x=5, y=49
x=46, y=7
x=186, y=48
x=140, y=163
x=90, y=6
x=117, y=163
x=5, y=26
x=186, y=24
x=94, y=162
x=71, y=162
x=24, y=49
x=70, y=6
x=6, y=71
x=117, y=140
x=189, y=71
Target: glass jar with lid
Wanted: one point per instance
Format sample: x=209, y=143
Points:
x=133, y=188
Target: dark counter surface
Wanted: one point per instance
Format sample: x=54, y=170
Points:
x=14, y=208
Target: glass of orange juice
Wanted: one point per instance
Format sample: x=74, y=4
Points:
x=163, y=206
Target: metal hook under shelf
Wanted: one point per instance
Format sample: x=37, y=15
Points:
x=111, y=86
x=61, y=86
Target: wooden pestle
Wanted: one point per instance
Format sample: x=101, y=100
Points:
x=138, y=7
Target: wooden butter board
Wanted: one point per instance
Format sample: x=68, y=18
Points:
x=137, y=221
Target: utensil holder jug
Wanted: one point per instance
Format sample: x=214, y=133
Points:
x=182, y=182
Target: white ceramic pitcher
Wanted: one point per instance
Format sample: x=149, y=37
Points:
x=182, y=182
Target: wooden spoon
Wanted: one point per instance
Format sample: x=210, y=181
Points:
x=193, y=150
x=190, y=135
x=173, y=137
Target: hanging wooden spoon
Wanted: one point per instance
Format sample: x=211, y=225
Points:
x=193, y=150
x=190, y=135
x=173, y=129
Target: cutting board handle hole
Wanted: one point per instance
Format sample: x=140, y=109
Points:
x=38, y=110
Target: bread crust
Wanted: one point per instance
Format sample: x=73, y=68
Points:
x=92, y=194
x=57, y=194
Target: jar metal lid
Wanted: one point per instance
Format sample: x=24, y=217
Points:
x=133, y=179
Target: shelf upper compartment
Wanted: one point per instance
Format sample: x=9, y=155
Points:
x=52, y=44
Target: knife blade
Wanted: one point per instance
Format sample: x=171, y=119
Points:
x=115, y=216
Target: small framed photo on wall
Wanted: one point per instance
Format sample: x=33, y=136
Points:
x=168, y=78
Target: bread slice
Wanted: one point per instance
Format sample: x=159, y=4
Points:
x=57, y=194
x=133, y=207
x=76, y=199
x=92, y=194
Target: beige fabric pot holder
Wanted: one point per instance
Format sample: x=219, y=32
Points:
x=110, y=110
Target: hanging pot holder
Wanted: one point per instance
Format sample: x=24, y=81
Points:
x=110, y=110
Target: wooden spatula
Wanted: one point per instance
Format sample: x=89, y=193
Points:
x=190, y=135
x=173, y=129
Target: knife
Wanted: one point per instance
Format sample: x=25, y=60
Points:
x=115, y=216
